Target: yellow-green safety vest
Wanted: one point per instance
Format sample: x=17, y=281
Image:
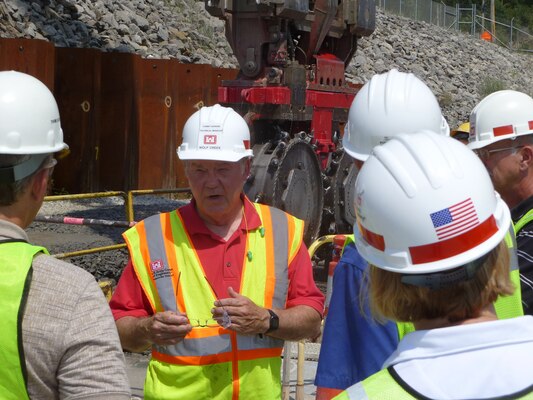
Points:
x=212, y=362
x=526, y=219
x=384, y=386
x=505, y=306
x=16, y=257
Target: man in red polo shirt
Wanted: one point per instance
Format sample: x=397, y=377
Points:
x=216, y=286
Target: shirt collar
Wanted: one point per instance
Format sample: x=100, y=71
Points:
x=521, y=209
x=9, y=230
x=196, y=226
x=455, y=339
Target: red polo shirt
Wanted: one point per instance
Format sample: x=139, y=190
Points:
x=222, y=262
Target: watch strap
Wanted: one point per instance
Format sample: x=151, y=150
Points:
x=273, y=322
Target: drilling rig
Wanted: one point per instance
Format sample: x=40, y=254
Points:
x=292, y=91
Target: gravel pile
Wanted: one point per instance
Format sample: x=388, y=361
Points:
x=63, y=238
x=179, y=29
x=459, y=68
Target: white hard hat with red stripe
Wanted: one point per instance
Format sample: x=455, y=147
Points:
x=390, y=103
x=215, y=133
x=505, y=114
x=425, y=203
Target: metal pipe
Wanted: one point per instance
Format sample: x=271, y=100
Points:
x=84, y=196
x=82, y=221
x=129, y=207
x=493, y=18
x=319, y=242
x=89, y=251
x=159, y=191
x=300, y=372
x=141, y=192
x=286, y=372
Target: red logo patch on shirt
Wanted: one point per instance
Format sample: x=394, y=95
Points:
x=157, y=265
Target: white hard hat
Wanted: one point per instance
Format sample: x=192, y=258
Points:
x=505, y=114
x=215, y=133
x=425, y=203
x=29, y=117
x=390, y=103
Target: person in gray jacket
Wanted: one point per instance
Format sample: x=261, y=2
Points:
x=58, y=335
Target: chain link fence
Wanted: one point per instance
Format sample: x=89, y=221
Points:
x=470, y=20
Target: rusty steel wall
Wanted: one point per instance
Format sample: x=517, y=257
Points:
x=77, y=94
x=156, y=141
x=118, y=132
x=34, y=57
x=121, y=115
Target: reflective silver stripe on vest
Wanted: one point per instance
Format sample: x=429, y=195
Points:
x=256, y=342
x=156, y=249
x=218, y=344
x=357, y=392
x=513, y=255
x=281, y=257
x=198, y=346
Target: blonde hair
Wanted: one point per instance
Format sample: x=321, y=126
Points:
x=393, y=299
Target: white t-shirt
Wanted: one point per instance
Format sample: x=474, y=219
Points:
x=480, y=360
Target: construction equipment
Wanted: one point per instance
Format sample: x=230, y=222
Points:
x=292, y=91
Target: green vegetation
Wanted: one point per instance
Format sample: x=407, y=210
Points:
x=445, y=99
x=515, y=13
x=490, y=85
x=518, y=11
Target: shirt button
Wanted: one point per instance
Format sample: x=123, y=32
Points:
x=228, y=264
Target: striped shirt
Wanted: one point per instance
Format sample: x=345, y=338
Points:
x=524, y=243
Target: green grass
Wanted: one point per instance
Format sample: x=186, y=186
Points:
x=490, y=85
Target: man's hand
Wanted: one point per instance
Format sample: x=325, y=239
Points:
x=246, y=317
x=166, y=328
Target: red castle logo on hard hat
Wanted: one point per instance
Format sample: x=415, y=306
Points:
x=210, y=139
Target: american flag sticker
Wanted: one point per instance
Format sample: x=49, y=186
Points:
x=454, y=220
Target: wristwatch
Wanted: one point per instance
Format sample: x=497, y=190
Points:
x=273, y=322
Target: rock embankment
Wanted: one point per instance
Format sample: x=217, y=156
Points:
x=459, y=68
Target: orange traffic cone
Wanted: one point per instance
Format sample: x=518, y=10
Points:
x=486, y=35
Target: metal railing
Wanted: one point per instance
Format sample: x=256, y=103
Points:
x=465, y=19
x=128, y=211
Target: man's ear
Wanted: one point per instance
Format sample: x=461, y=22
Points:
x=39, y=184
x=247, y=167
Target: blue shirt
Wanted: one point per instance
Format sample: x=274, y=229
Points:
x=354, y=346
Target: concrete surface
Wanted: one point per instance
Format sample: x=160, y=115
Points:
x=136, y=365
